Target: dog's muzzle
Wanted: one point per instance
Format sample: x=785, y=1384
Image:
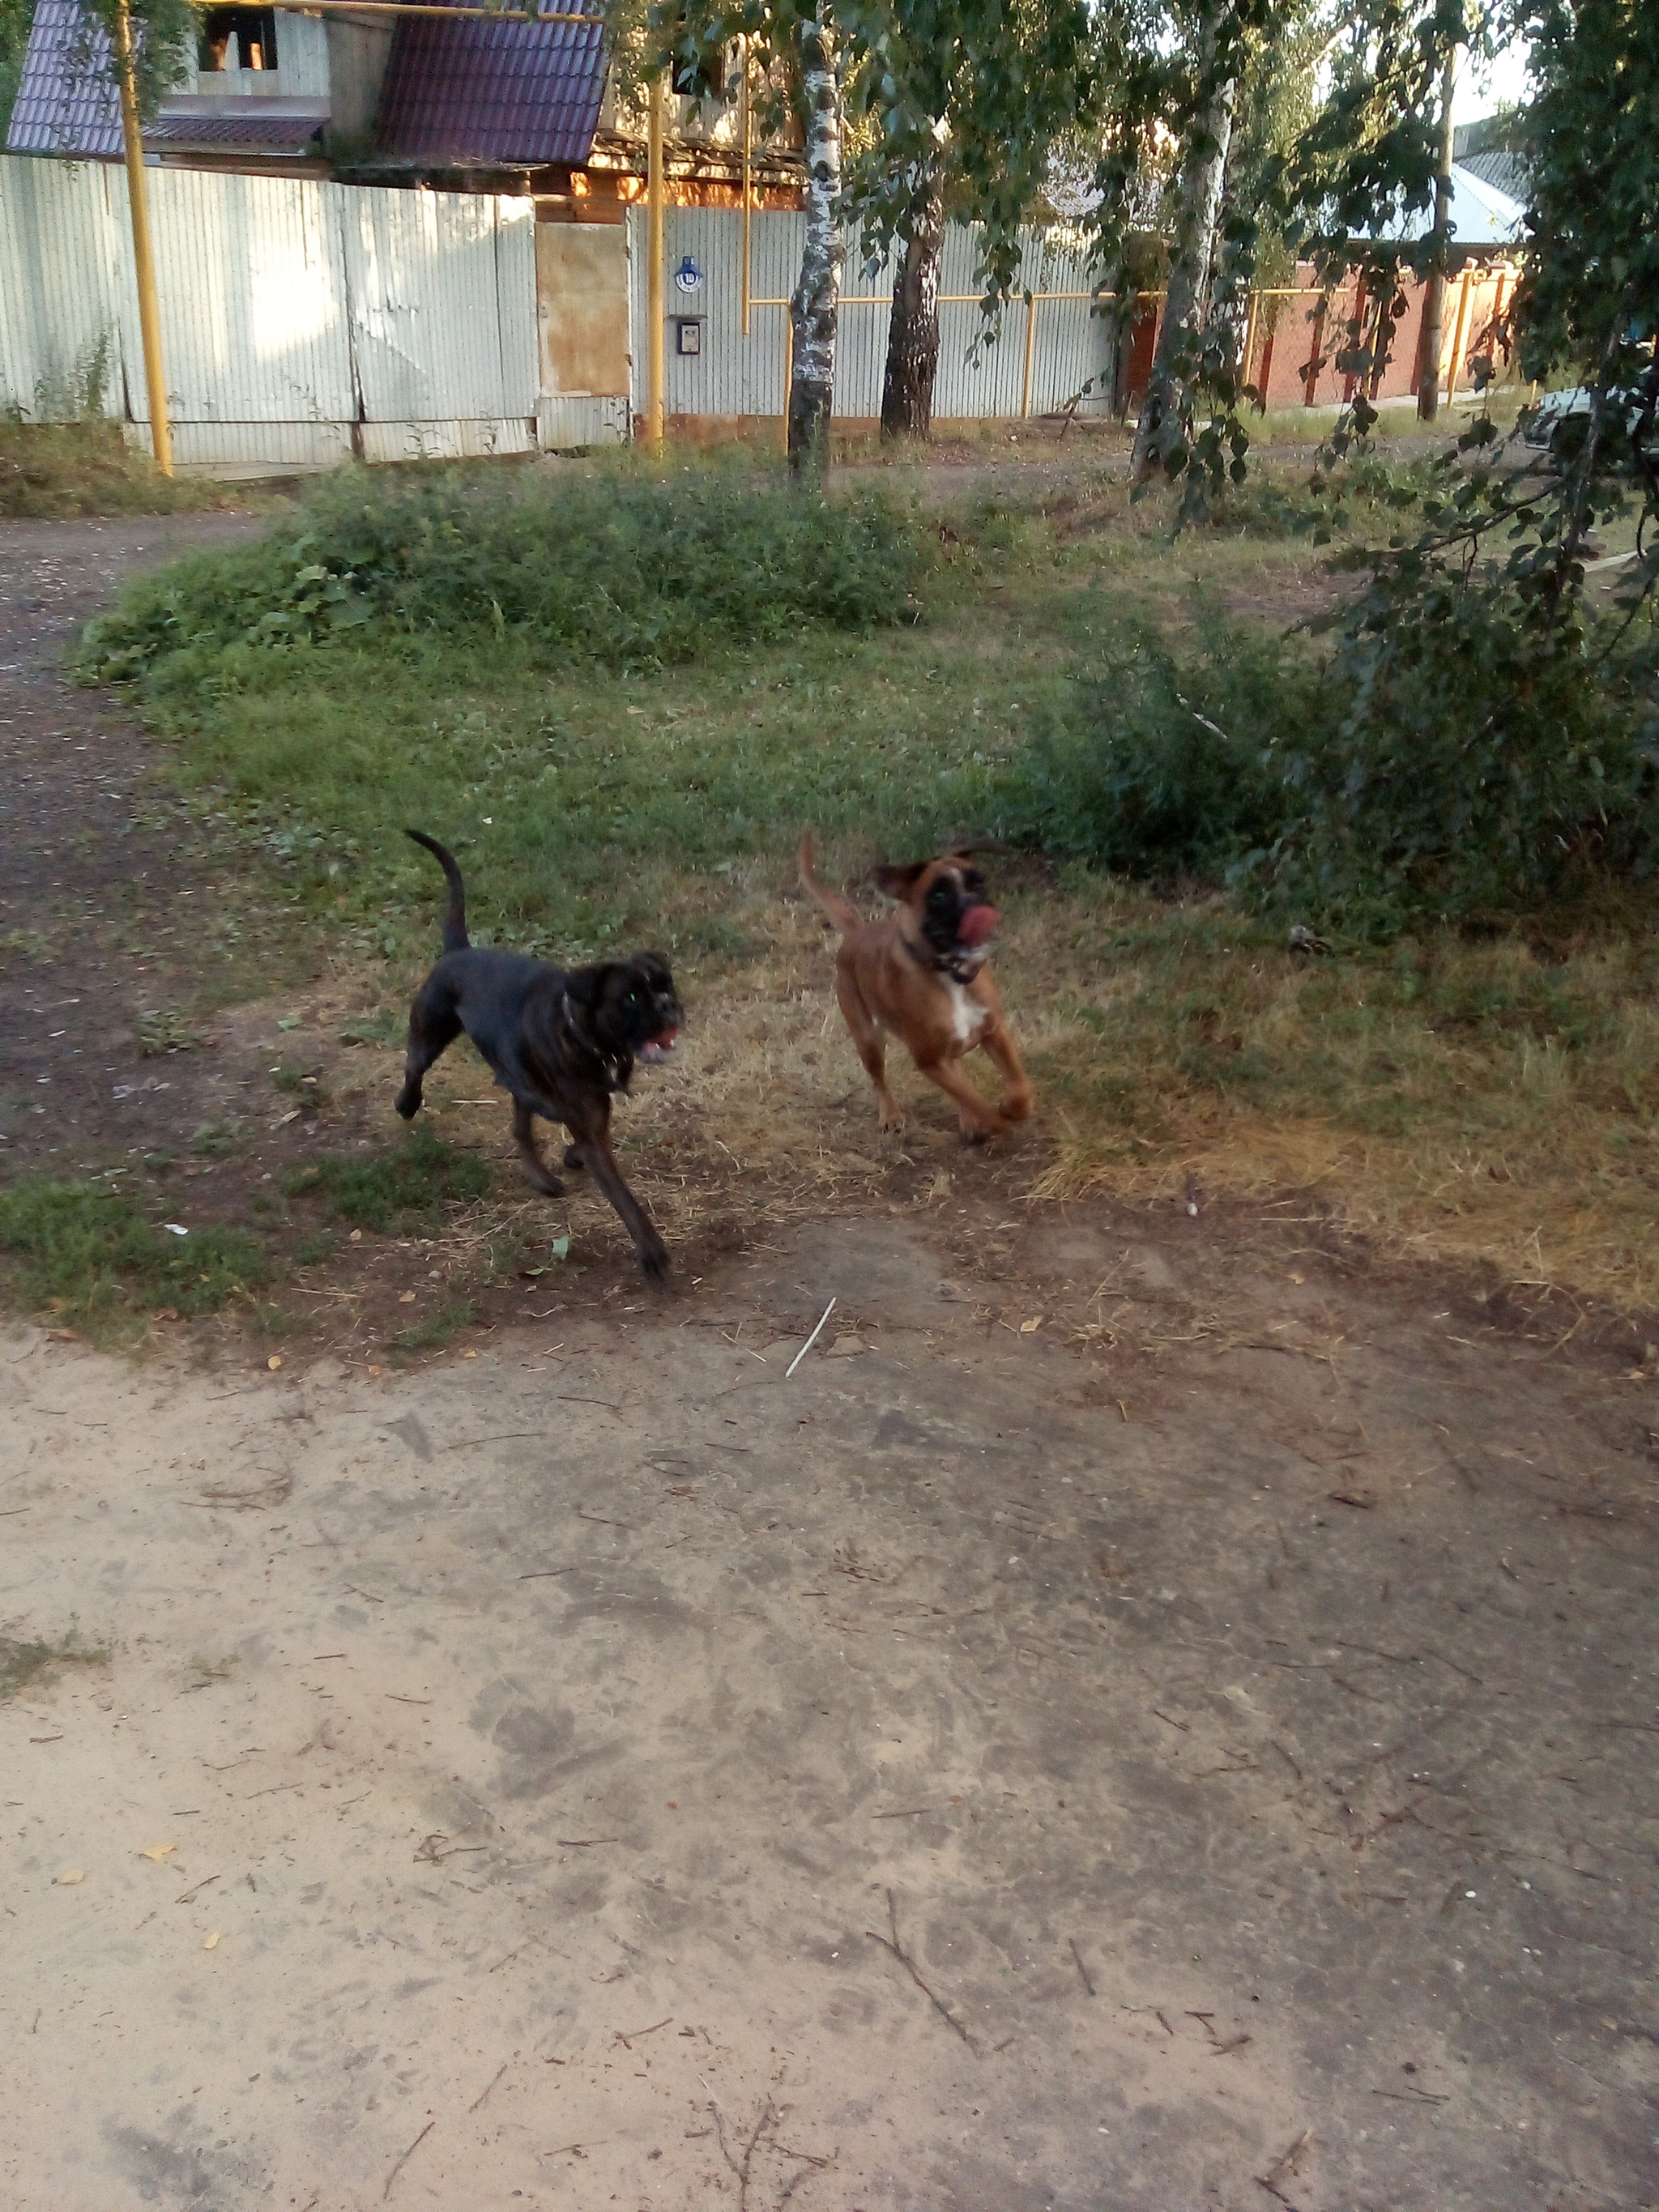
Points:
x=976, y=925
x=659, y=1047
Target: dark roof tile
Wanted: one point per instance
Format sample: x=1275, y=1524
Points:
x=479, y=92
x=66, y=102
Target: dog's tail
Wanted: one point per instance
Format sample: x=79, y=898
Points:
x=844, y=916
x=455, y=937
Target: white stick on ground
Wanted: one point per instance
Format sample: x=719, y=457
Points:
x=810, y=1340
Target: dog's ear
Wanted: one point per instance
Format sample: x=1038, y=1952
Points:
x=898, y=879
x=587, y=985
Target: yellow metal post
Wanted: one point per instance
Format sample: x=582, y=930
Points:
x=656, y=307
x=1249, y=340
x=1031, y=347
x=788, y=365
x=143, y=263
x=748, y=147
x=1460, y=332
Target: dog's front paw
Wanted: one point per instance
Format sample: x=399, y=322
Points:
x=573, y=1156
x=654, y=1259
x=408, y=1104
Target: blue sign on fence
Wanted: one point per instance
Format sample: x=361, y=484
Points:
x=687, y=277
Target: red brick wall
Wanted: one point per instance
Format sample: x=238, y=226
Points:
x=1297, y=338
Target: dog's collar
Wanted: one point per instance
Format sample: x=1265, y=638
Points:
x=960, y=967
x=615, y=1067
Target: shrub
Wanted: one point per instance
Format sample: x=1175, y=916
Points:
x=1457, y=768
x=1465, y=763
x=1160, y=766
x=612, y=566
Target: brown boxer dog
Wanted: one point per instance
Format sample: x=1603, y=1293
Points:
x=921, y=976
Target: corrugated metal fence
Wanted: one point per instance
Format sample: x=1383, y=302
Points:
x=301, y=321
x=1043, y=353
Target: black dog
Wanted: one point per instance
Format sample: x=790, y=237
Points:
x=561, y=1041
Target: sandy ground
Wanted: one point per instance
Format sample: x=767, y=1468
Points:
x=499, y=1780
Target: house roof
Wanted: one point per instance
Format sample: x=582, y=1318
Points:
x=1480, y=214
x=66, y=101
x=1508, y=171
x=264, y=126
x=474, y=91
x=468, y=91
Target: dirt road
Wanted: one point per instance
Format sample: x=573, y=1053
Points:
x=1195, y=1749
x=604, y=1771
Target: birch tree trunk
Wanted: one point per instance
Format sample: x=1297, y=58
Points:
x=1158, y=429
x=906, y=391
x=813, y=309
x=1434, y=292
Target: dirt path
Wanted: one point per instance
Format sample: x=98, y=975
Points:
x=500, y=1778
x=99, y=889
x=492, y=1785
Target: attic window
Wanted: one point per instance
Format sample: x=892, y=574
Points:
x=702, y=79
x=237, y=38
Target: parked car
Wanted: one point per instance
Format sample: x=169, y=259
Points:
x=1637, y=400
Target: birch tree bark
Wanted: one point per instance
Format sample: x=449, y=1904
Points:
x=906, y=391
x=1158, y=430
x=1434, y=292
x=814, y=308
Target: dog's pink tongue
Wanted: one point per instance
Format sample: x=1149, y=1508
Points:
x=977, y=924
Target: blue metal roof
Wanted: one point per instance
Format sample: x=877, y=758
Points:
x=67, y=102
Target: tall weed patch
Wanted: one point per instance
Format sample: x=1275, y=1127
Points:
x=1452, y=769
x=613, y=568
x=1162, y=765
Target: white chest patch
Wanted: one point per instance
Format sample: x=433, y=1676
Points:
x=967, y=1015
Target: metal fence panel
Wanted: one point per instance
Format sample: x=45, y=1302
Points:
x=442, y=287
x=982, y=370
x=252, y=297
x=294, y=315
x=60, y=336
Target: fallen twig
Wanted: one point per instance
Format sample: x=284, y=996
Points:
x=404, y=2160
x=910, y=1966
x=811, y=1341
x=1081, y=1968
x=489, y=2085
x=1283, y=2168
x=632, y=2035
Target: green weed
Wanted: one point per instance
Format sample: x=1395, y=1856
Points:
x=165, y=1029
x=217, y=1139
x=436, y=1328
x=620, y=568
x=402, y=1191
x=60, y=470
x=30, y=1664
x=89, y=1255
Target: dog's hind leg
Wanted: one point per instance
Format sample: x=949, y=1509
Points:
x=867, y=1037
x=434, y=1026
x=530, y=1151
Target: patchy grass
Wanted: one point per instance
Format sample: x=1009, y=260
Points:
x=55, y=471
x=91, y=1257
x=402, y=1191
x=435, y=1329
x=164, y=1029
x=1477, y=1097
x=31, y=1664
